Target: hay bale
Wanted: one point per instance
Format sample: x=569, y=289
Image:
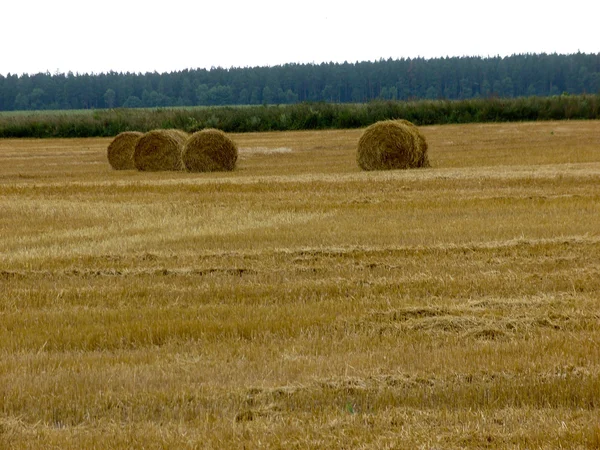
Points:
x=209, y=150
x=392, y=144
x=120, y=150
x=420, y=142
x=160, y=150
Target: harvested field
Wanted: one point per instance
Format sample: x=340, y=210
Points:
x=299, y=302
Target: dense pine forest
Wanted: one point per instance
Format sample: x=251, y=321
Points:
x=402, y=79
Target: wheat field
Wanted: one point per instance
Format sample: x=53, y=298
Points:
x=298, y=302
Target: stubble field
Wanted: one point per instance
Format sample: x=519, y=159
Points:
x=301, y=303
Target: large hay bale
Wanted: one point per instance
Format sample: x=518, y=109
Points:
x=160, y=150
x=420, y=143
x=392, y=144
x=121, y=149
x=209, y=150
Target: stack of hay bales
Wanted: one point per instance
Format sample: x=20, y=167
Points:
x=392, y=144
x=121, y=149
x=160, y=150
x=209, y=150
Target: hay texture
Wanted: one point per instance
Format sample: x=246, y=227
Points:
x=160, y=150
x=121, y=149
x=392, y=144
x=210, y=150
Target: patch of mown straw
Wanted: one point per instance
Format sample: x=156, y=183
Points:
x=392, y=144
x=121, y=149
x=210, y=150
x=160, y=150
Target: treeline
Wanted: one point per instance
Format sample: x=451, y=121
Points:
x=400, y=79
x=303, y=116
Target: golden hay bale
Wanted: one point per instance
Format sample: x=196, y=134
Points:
x=120, y=150
x=392, y=144
x=160, y=150
x=420, y=142
x=209, y=150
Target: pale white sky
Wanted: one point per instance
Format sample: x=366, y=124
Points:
x=140, y=36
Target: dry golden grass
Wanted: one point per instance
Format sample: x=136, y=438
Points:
x=301, y=303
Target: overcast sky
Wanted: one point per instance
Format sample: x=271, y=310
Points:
x=146, y=36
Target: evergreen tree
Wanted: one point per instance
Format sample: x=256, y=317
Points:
x=109, y=98
x=401, y=79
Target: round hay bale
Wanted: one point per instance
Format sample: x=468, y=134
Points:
x=392, y=144
x=420, y=142
x=120, y=150
x=209, y=150
x=160, y=150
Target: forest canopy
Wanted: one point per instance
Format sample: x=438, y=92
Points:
x=400, y=79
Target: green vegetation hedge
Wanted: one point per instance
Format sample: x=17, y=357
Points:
x=392, y=144
x=209, y=151
x=302, y=116
x=120, y=150
x=160, y=150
